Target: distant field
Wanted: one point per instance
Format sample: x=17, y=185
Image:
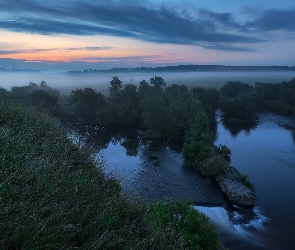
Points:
x=65, y=83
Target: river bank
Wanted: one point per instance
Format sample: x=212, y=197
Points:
x=231, y=185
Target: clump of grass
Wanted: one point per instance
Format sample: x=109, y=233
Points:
x=244, y=179
x=52, y=196
x=177, y=223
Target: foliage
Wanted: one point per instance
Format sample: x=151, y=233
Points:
x=128, y=110
x=199, y=129
x=213, y=167
x=245, y=180
x=180, y=221
x=182, y=106
x=156, y=116
x=223, y=150
x=197, y=148
x=234, y=88
x=238, y=110
x=210, y=99
x=195, y=153
x=158, y=83
x=116, y=84
x=174, y=106
x=241, y=101
x=90, y=107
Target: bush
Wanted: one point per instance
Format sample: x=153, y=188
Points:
x=244, y=179
x=214, y=167
x=223, y=150
x=195, y=153
x=180, y=221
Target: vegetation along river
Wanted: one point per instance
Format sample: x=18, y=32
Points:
x=265, y=152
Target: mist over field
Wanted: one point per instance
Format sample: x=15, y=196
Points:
x=65, y=82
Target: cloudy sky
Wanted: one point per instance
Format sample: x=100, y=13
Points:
x=79, y=34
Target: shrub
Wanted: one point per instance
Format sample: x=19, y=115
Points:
x=195, y=153
x=224, y=150
x=244, y=179
x=215, y=166
x=181, y=222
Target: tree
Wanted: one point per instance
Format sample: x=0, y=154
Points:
x=233, y=88
x=197, y=148
x=143, y=89
x=181, y=105
x=210, y=99
x=158, y=83
x=238, y=110
x=128, y=109
x=116, y=84
x=44, y=100
x=91, y=107
x=156, y=116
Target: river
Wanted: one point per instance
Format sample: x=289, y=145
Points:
x=265, y=152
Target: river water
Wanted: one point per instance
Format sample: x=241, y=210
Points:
x=265, y=152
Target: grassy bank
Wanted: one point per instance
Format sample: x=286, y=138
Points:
x=52, y=196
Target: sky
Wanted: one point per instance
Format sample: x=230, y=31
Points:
x=99, y=34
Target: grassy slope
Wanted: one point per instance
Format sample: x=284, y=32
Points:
x=52, y=196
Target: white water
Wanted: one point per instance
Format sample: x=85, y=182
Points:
x=233, y=227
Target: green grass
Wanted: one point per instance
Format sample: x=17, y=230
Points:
x=244, y=179
x=52, y=196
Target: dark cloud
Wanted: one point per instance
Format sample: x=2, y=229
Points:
x=222, y=20
x=95, y=62
x=91, y=48
x=123, y=58
x=18, y=51
x=47, y=27
x=8, y=52
x=271, y=20
x=227, y=47
x=138, y=21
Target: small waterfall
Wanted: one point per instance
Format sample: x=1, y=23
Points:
x=237, y=224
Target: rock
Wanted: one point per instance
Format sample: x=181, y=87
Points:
x=234, y=189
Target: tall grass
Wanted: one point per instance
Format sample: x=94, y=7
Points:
x=52, y=196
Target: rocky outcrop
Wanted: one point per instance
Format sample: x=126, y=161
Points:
x=237, y=192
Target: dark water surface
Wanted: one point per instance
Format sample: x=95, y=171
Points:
x=266, y=153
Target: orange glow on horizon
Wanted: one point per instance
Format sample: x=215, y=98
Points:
x=91, y=56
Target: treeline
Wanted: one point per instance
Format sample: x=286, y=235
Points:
x=142, y=106
x=158, y=112
x=163, y=113
x=241, y=101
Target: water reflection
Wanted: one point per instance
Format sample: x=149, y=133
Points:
x=129, y=138
x=100, y=138
x=131, y=142
x=236, y=128
x=290, y=128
